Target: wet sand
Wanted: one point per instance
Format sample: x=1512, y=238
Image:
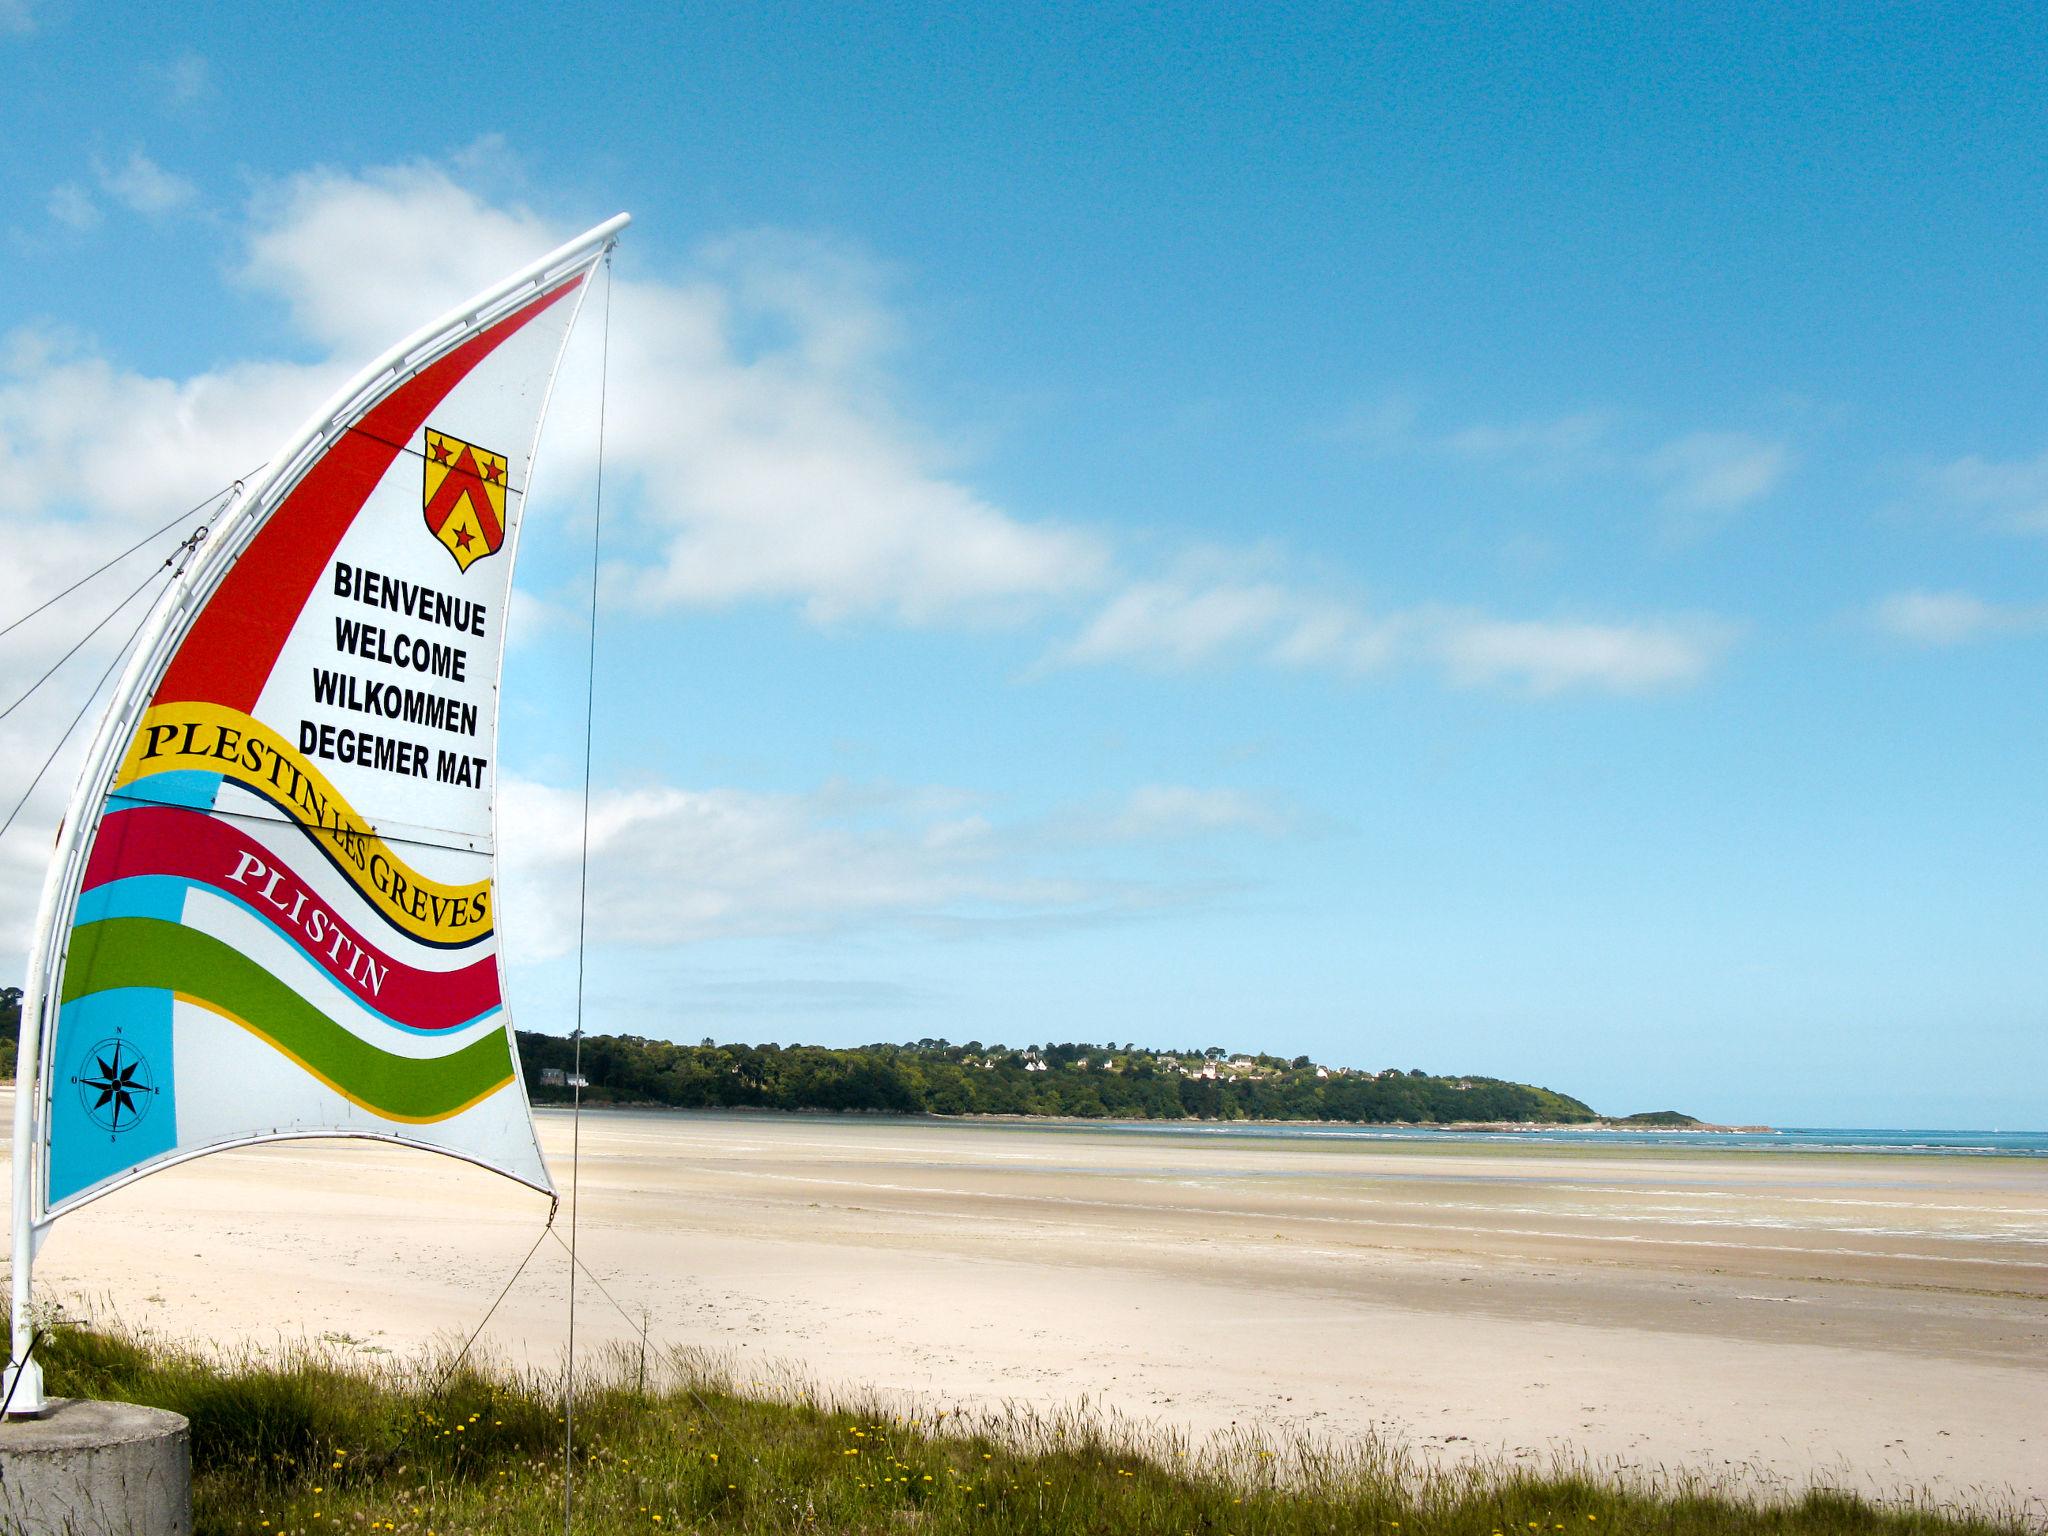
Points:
x=1878, y=1322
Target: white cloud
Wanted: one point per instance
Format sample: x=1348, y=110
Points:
x=1158, y=811
x=142, y=186
x=360, y=261
x=1954, y=618
x=1548, y=657
x=755, y=407
x=88, y=448
x=1576, y=443
x=671, y=865
x=751, y=423
x=2011, y=493
x=92, y=457
x=1170, y=623
x=1717, y=472
x=1567, y=446
x=1697, y=474
x=752, y=426
x=1184, y=621
x=748, y=402
x=17, y=17
x=1179, y=621
x=73, y=207
x=1389, y=424
x=185, y=79
x=35, y=728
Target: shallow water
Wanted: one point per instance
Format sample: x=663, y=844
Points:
x=1921, y=1143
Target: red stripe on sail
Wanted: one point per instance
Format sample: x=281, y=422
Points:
x=227, y=656
x=190, y=845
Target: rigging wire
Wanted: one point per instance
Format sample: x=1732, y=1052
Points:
x=118, y=656
x=477, y=1333
x=56, y=665
x=582, y=915
x=639, y=1326
x=185, y=516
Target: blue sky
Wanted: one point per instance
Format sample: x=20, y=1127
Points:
x=1508, y=543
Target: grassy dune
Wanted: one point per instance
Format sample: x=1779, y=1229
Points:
x=308, y=1443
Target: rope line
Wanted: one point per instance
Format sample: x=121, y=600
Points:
x=190, y=512
x=118, y=657
x=591, y=1275
x=470, y=1342
x=640, y=1327
x=83, y=640
x=582, y=925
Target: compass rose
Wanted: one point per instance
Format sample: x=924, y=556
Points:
x=118, y=1087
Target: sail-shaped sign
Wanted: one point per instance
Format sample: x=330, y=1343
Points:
x=271, y=913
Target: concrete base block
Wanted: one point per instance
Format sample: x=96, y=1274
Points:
x=96, y=1469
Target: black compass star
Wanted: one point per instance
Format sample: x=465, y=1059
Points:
x=116, y=1085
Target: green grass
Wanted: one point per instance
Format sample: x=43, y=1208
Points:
x=307, y=1442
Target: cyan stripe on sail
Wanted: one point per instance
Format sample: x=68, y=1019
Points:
x=159, y=896
x=123, y=1039
x=185, y=788
x=162, y=897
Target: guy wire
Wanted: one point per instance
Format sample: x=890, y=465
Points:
x=118, y=657
x=190, y=512
x=477, y=1333
x=582, y=915
x=80, y=645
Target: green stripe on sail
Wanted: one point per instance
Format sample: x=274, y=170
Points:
x=143, y=952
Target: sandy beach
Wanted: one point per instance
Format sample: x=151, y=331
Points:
x=1870, y=1321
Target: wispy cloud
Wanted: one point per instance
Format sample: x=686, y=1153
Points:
x=1566, y=446
x=73, y=207
x=17, y=17
x=756, y=422
x=2010, y=494
x=142, y=186
x=1716, y=472
x=1699, y=475
x=1180, y=622
x=90, y=450
x=750, y=398
x=1954, y=618
x=184, y=80
x=1574, y=444
x=1164, y=811
x=753, y=416
x=1556, y=656
x=672, y=865
x=1173, y=624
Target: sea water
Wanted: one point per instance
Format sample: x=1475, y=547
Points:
x=1918, y=1143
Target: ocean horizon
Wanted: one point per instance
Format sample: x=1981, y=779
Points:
x=1888, y=1140
x=1792, y=1138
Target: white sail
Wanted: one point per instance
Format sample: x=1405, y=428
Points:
x=272, y=913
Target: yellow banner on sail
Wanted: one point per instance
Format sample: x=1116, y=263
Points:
x=211, y=738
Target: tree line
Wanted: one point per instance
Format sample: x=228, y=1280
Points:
x=1088, y=1081
x=939, y=1078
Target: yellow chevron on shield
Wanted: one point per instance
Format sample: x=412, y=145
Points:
x=463, y=497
